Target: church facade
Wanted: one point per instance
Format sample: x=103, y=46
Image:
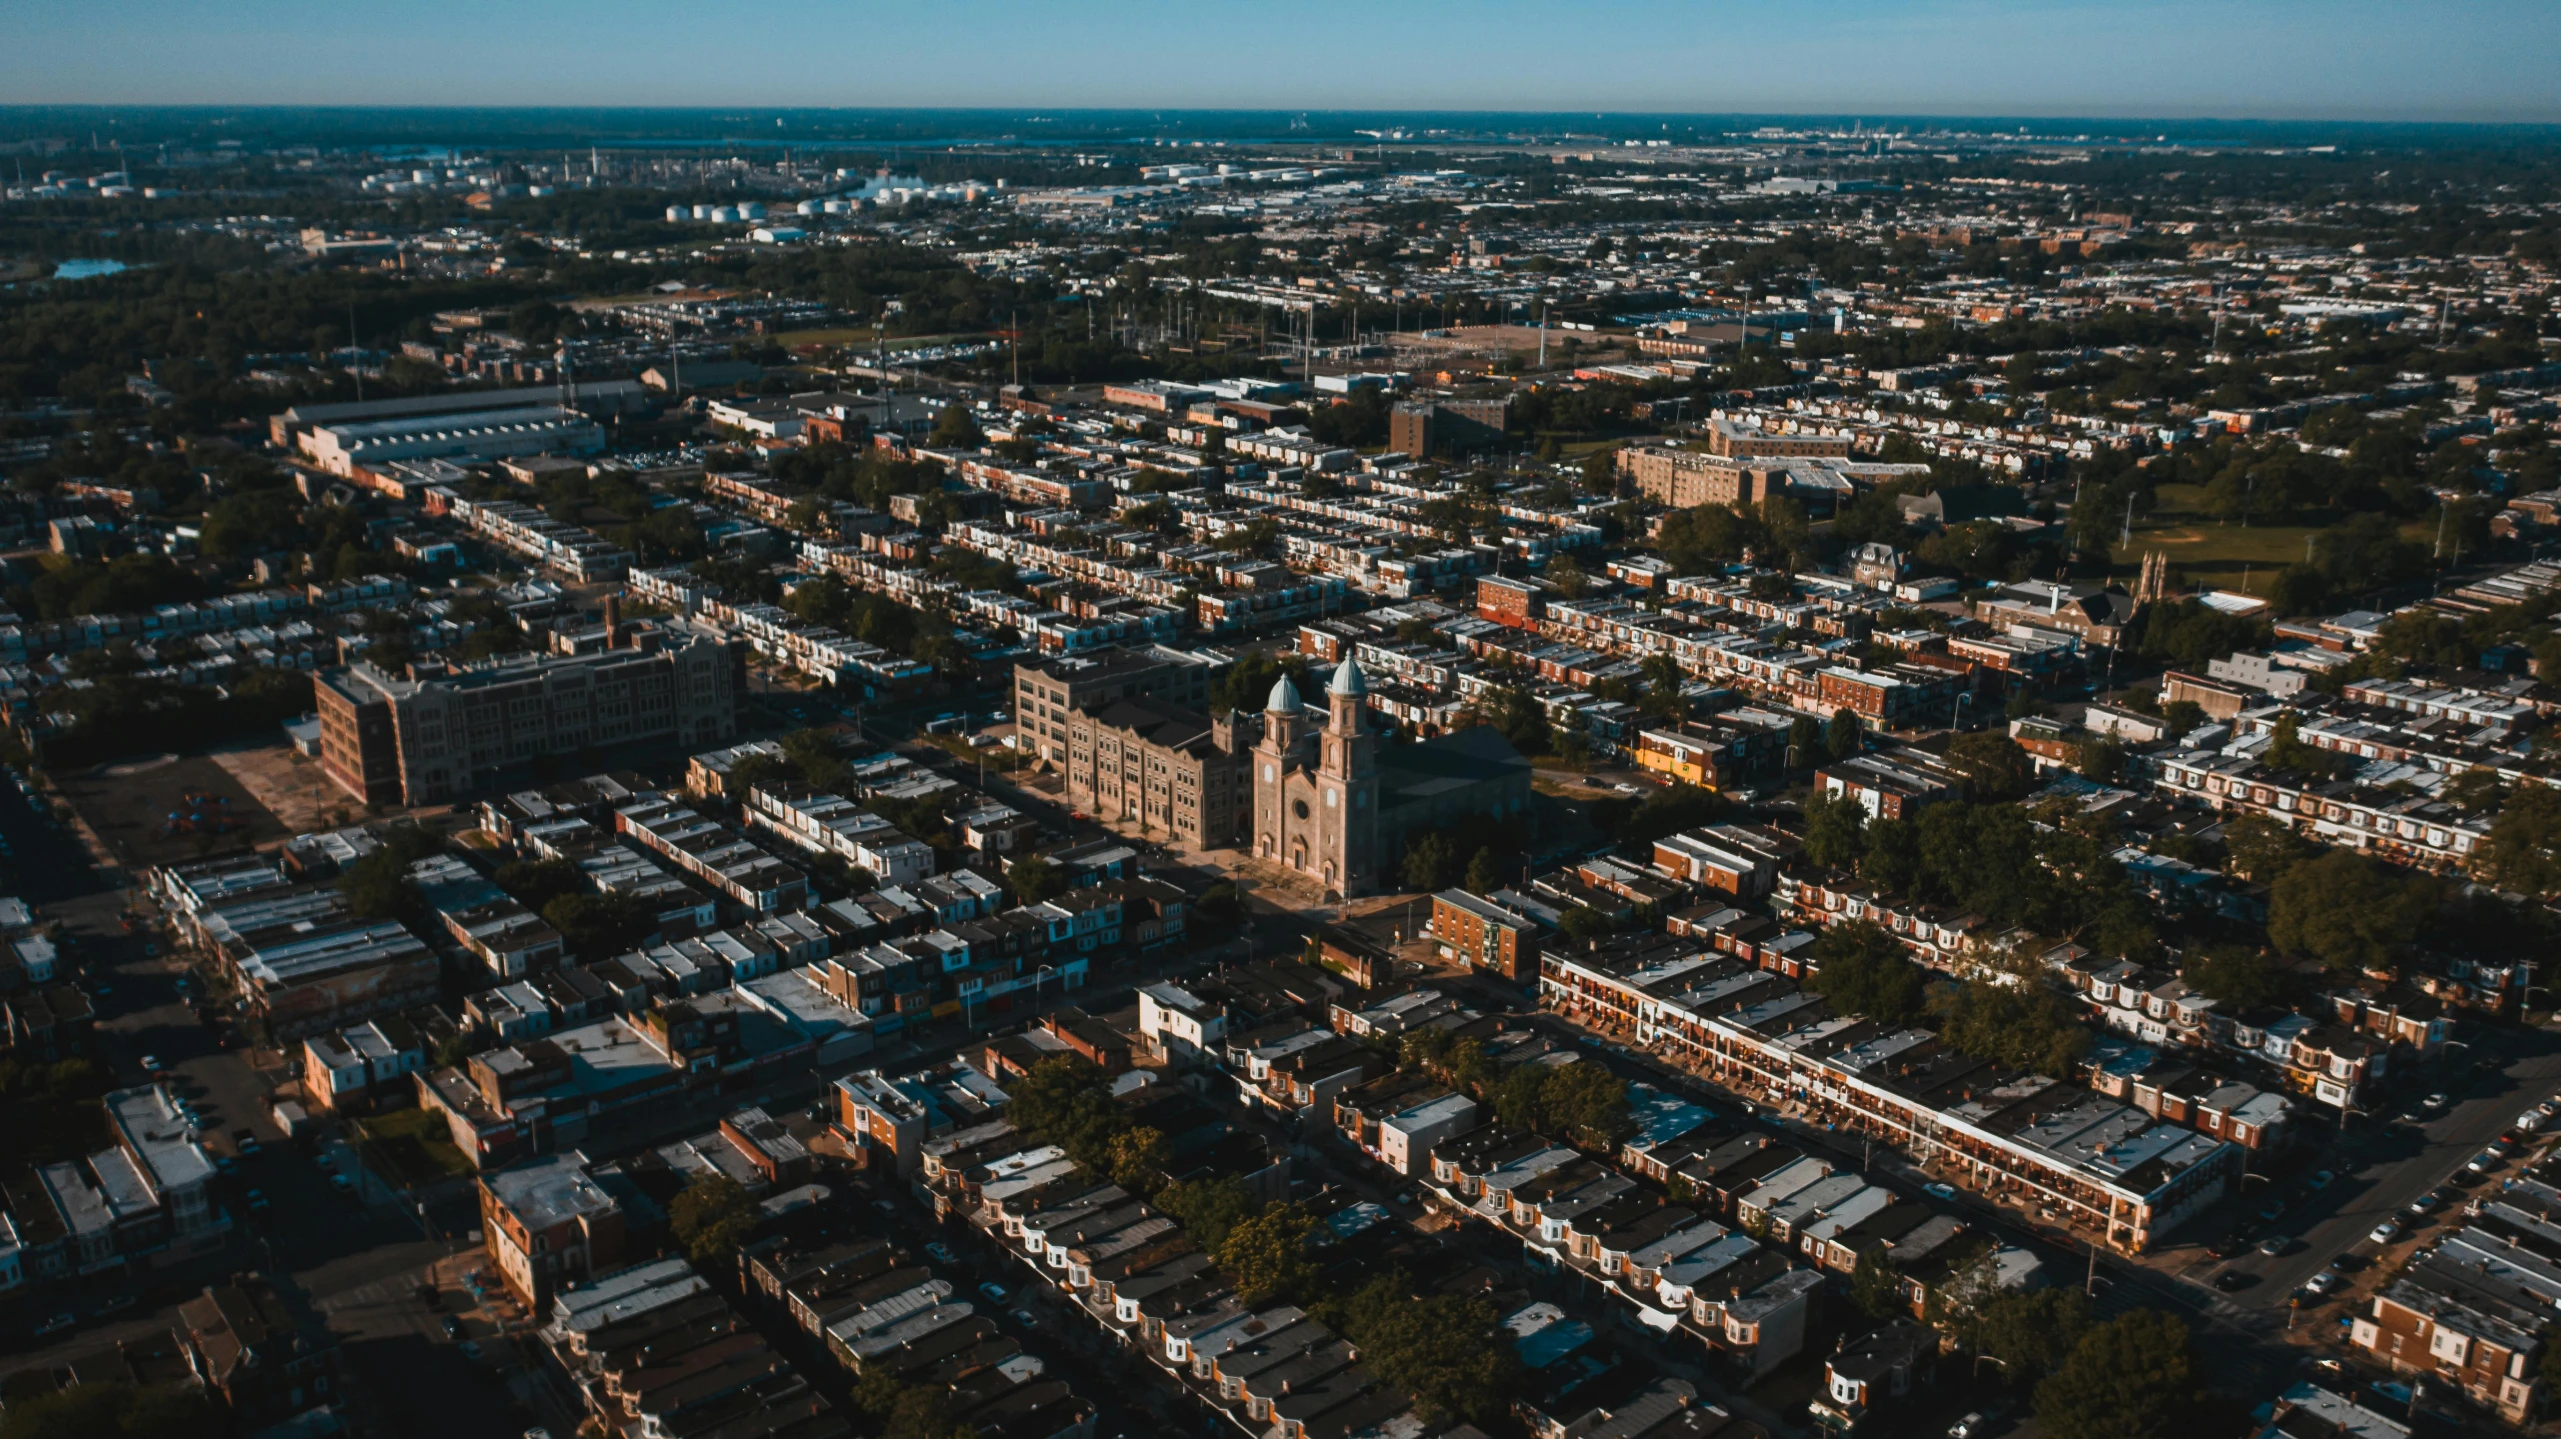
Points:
x=1331, y=805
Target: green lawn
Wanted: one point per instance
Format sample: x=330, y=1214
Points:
x=2217, y=553
x=410, y=1147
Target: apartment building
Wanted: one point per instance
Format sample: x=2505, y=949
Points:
x=1485, y=934
x=1161, y=769
x=1047, y=693
x=438, y=732
x=547, y=1223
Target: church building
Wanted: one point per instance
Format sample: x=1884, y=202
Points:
x=1332, y=803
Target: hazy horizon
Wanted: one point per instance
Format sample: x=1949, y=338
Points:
x=2278, y=60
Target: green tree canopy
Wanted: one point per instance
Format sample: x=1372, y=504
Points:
x=2348, y=911
x=711, y=1217
x=1860, y=969
x=111, y=1410
x=2133, y=1377
x=1267, y=1254
x=2027, y=1025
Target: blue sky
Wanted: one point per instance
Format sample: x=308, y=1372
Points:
x=2495, y=60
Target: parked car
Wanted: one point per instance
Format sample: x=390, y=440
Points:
x=2276, y=1244
x=2272, y=1211
x=2486, y=1160
x=995, y=1292
x=2321, y=1179
x=470, y=1348
x=452, y=1327
x=246, y=1140
x=151, y=1064
x=2321, y=1283
x=2231, y=1279
x=1027, y=1319
x=257, y=1199
x=2384, y=1233
x=941, y=1253
x=2434, y=1103
x=2428, y=1202
x=2229, y=1246
x=1939, y=1191
x=55, y=1325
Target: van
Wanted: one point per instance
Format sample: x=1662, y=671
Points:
x=2529, y=1122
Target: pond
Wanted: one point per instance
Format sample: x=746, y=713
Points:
x=87, y=269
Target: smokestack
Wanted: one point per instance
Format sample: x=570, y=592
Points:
x=613, y=622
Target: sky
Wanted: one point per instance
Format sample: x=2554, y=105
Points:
x=2446, y=60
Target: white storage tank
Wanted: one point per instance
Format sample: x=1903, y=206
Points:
x=751, y=211
x=678, y=214
x=702, y=212
x=724, y=215
x=807, y=207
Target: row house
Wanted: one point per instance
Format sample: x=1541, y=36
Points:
x=1953, y=941
x=715, y=855
x=2474, y=1312
x=2105, y=1168
x=2411, y=828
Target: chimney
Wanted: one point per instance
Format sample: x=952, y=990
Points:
x=613, y=622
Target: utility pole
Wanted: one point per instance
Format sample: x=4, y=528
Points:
x=355, y=353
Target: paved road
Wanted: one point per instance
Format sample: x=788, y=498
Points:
x=2382, y=1167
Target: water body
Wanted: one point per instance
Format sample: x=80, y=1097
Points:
x=88, y=269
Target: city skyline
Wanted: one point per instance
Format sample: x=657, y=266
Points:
x=2359, y=61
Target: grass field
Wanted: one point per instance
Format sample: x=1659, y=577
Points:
x=410, y=1147
x=2217, y=553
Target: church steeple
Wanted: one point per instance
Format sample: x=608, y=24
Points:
x=1347, y=697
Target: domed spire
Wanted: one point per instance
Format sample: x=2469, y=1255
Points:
x=1284, y=700
x=1347, y=679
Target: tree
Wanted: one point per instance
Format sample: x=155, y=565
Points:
x=2347, y=911
x=1208, y=1208
x=1482, y=875
x=1875, y=1286
x=1834, y=830
x=599, y=926
x=2525, y=842
x=2031, y=1334
x=1804, y=741
x=2260, y=850
x=535, y=883
x=1842, y=737
x=956, y=429
x=1441, y=1348
x=377, y=886
x=2131, y=1378
x=1035, y=879
x=2235, y=975
x=112, y=1410
x=1994, y=766
x=711, y=1217
x=1138, y=1159
x=1066, y=1099
x=1587, y=1103
x=1267, y=1254
x=1861, y=970
x=2101, y=759
x=1430, y=862
x=2027, y=1025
